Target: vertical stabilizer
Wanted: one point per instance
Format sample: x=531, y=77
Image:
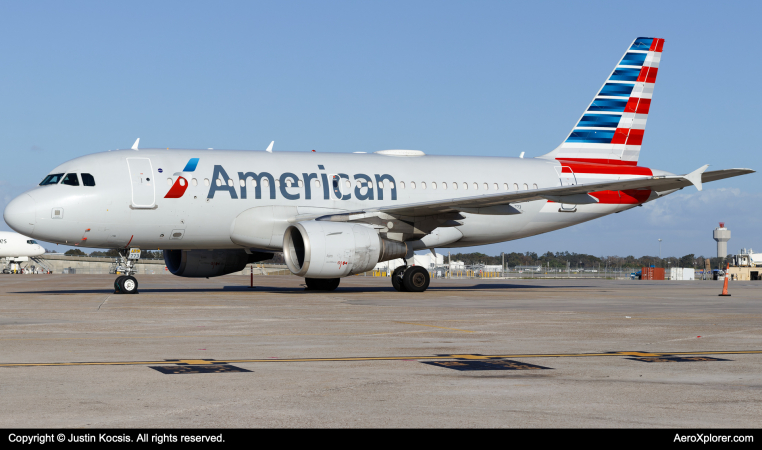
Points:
x=611, y=129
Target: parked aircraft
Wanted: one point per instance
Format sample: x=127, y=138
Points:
x=14, y=245
x=336, y=214
x=15, y=249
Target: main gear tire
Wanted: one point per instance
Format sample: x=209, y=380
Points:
x=416, y=279
x=397, y=279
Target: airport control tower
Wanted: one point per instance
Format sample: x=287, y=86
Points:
x=722, y=236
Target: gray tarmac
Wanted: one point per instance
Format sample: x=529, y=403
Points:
x=539, y=353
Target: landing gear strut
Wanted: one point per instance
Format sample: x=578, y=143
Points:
x=410, y=279
x=127, y=284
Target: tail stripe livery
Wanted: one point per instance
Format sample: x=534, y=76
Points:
x=611, y=129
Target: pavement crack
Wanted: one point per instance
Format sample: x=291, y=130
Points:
x=103, y=303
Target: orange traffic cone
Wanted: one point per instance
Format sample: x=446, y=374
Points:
x=725, y=287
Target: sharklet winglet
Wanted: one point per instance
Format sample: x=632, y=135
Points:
x=270, y=147
x=695, y=176
x=135, y=145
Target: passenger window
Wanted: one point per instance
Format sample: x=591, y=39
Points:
x=526, y=187
x=497, y=188
x=455, y=186
x=534, y=186
x=444, y=185
x=433, y=185
x=465, y=186
x=88, y=179
x=515, y=186
x=53, y=178
x=194, y=182
x=476, y=185
x=71, y=179
x=412, y=185
x=423, y=185
x=486, y=186
x=206, y=181
x=402, y=185
x=505, y=186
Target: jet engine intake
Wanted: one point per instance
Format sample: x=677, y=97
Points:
x=318, y=249
x=210, y=263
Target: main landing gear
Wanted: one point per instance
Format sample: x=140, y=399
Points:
x=127, y=284
x=410, y=279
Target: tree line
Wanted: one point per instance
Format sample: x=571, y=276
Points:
x=558, y=260
x=563, y=260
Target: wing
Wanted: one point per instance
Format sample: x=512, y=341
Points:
x=499, y=203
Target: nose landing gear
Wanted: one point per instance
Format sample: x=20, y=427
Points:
x=410, y=279
x=127, y=284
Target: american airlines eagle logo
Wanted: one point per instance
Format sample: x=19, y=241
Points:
x=181, y=184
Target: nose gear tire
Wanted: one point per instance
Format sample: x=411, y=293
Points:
x=117, y=289
x=128, y=285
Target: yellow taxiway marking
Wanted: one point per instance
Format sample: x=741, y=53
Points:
x=195, y=362
x=379, y=358
x=434, y=326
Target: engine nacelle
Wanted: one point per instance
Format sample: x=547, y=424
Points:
x=210, y=263
x=318, y=249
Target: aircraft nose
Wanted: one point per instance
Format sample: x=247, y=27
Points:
x=20, y=214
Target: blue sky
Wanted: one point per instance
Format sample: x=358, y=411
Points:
x=448, y=78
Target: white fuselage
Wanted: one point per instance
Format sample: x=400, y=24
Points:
x=127, y=206
x=14, y=246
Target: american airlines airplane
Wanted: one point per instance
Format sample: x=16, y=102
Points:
x=337, y=214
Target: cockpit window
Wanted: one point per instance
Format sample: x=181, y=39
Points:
x=71, y=179
x=88, y=179
x=53, y=178
x=30, y=241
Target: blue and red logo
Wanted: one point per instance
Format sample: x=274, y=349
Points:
x=181, y=184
